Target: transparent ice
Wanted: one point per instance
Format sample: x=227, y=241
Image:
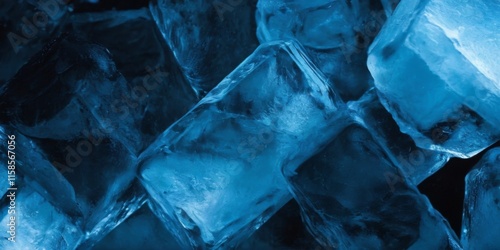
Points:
x=39, y=224
x=336, y=34
x=349, y=203
x=416, y=163
x=60, y=105
x=208, y=38
x=214, y=175
x=449, y=98
x=158, y=94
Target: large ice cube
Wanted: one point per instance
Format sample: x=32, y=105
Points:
x=416, y=163
x=214, y=176
x=435, y=66
x=480, y=227
x=335, y=33
x=208, y=38
x=349, y=202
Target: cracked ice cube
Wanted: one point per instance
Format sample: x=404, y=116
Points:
x=214, y=175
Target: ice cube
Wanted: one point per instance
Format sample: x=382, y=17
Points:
x=436, y=69
x=62, y=101
x=214, y=175
x=159, y=94
x=34, y=223
x=208, y=38
x=336, y=34
x=69, y=87
x=349, y=203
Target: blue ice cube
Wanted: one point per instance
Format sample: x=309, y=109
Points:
x=142, y=230
x=416, y=163
x=208, y=38
x=120, y=202
x=158, y=94
x=336, y=34
x=349, y=203
x=25, y=27
x=480, y=227
x=214, y=176
x=435, y=65
x=61, y=103
x=103, y=178
x=43, y=176
x=67, y=90
x=96, y=188
x=34, y=223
